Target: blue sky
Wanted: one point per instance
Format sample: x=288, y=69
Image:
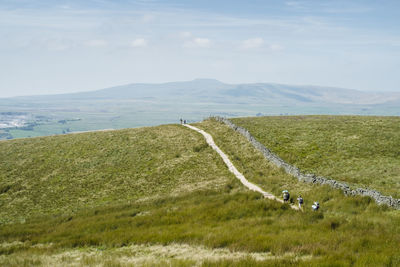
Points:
x=49, y=47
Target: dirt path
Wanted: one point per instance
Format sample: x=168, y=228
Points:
x=233, y=169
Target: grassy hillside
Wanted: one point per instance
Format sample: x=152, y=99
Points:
x=362, y=151
x=62, y=174
x=189, y=220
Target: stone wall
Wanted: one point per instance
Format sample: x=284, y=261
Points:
x=311, y=178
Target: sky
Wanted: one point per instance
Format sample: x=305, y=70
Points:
x=53, y=47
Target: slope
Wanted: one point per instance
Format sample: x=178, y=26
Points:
x=233, y=169
x=346, y=231
x=95, y=169
x=362, y=151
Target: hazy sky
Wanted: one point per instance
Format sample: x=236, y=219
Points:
x=51, y=47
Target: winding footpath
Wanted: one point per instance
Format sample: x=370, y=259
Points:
x=233, y=169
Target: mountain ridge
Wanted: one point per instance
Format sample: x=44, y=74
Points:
x=209, y=88
x=137, y=105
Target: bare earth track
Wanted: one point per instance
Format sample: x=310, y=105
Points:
x=233, y=169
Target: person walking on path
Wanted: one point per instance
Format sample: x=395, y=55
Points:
x=286, y=195
x=181, y=121
x=300, y=200
x=315, y=206
x=233, y=169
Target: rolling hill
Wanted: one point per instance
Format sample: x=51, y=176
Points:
x=362, y=151
x=159, y=196
x=137, y=105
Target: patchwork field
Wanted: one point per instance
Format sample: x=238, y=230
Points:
x=139, y=105
x=159, y=195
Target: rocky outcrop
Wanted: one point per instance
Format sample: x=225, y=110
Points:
x=311, y=178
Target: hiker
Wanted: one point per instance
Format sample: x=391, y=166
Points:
x=315, y=206
x=286, y=195
x=300, y=200
x=181, y=121
x=184, y=122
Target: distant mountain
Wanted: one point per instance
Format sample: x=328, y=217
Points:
x=201, y=89
x=135, y=105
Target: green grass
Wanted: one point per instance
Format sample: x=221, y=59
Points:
x=364, y=233
x=363, y=151
x=62, y=174
x=346, y=231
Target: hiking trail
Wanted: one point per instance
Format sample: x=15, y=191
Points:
x=233, y=169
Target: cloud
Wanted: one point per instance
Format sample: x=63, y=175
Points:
x=64, y=7
x=328, y=7
x=58, y=47
x=295, y=4
x=185, y=34
x=258, y=42
x=140, y=42
x=198, y=42
x=275, y=47
x=252, y=43
x=55, y=44
x=147, y=18
x=202, y=42
x=96, y=43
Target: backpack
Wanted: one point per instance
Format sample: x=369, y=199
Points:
x=301, y=200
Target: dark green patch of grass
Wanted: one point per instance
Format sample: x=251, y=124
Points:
x=235, y=220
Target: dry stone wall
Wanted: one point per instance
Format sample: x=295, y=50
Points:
x=311, y=178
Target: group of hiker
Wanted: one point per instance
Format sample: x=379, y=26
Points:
x=300, y=200
x=286, y=195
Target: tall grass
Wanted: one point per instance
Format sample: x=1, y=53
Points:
x=235, y=220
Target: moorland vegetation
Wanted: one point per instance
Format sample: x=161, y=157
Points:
x=363, y=151
x=191, y=199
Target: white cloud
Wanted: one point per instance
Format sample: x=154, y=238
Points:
x=336, y=40
x=328, y=7
x=198, y=42
x=252, y=43
x=56, y=44
x=147, y=18
x=58, y=47
x=295, y=4
x=275, y=47
x=258, y=42
x=65, y=7
x=202, y=42
x=185, y=34
x=140, y=42
x=96, y=43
